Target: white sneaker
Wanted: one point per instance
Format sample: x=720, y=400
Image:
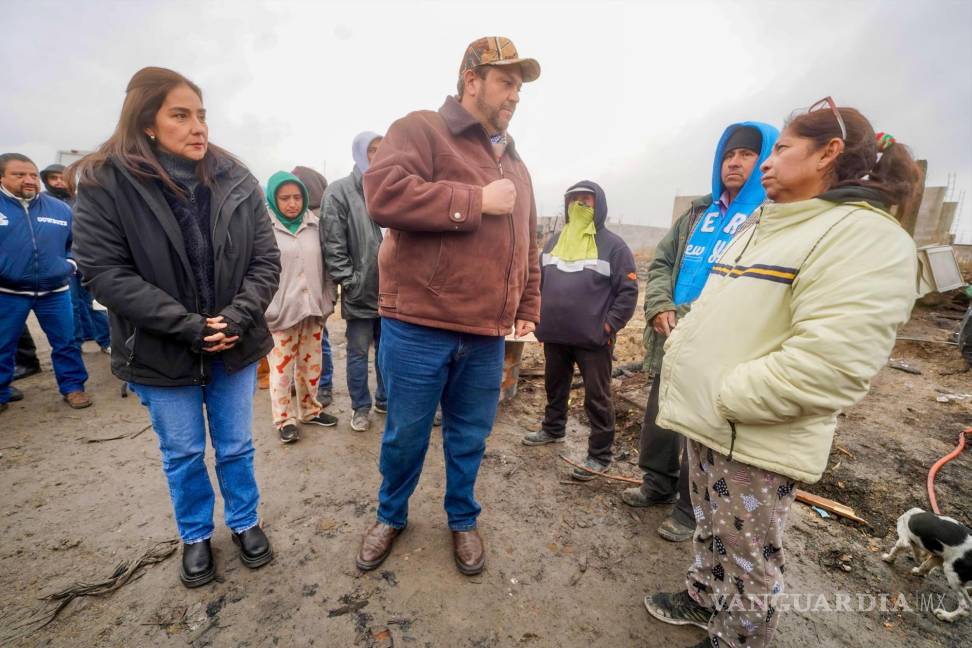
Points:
x=360, y=420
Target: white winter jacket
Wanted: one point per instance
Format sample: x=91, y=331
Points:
x=799, y=314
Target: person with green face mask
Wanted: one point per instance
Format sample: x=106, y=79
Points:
x=588, y=292
x=297, y=313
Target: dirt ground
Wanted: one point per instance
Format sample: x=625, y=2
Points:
x=568, y=564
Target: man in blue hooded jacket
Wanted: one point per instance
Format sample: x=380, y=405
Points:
x=351, y=241
x=35, y=267
x=676, y=277
x=588, y=292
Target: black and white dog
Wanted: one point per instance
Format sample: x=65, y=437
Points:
x=948, y=545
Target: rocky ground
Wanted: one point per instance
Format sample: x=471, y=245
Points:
x=568, y=563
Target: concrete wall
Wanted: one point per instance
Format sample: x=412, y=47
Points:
x=946, y=221
x=681, y=205
x=640, y=238
x=963, y=254
x=927, y=230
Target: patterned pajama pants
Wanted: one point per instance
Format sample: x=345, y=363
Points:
x=296, y=357
x=738, y=545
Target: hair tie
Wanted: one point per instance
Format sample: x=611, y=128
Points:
x=885, y=141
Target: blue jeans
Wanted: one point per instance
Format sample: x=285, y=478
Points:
x=53, y=311
x=89, y=324
x=327, y=363
x=180, y=423
x=422, y=366
x=361, y=333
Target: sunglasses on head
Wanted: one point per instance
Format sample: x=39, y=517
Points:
x=828, y=102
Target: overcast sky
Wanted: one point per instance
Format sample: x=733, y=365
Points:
x=632, y=94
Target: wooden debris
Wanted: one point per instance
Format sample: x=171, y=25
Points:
x=829, y=505
x=125, y=572
x=627, y=480
x=916, y=339
x=843, y=450
x=904, y=366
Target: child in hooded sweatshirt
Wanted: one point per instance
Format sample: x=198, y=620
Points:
x=297, y=313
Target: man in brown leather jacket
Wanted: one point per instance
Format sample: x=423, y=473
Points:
x=458, y=271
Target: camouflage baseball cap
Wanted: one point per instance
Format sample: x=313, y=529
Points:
x=496, y=50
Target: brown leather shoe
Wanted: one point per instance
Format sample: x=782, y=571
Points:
x=77, y=400
x=468, y=550
x=376, y=545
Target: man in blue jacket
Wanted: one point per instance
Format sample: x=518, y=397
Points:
x=588, y=292
x=675, y=279
x=35, y=268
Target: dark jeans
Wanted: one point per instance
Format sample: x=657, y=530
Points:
x=595, y=368
x=327, y=363
x=89, y=324
x=361, y=333
x=664, y=474
x=26, y=355
x=424, y=366
x=53, y=312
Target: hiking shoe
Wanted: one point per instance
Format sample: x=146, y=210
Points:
x=289, y=434
x=541, y=437
x=381, y=408
x=674, y=531
x=437, y=419
x=635, y=497
x=591, y=465
x=15, y=394
x=324, y=397
x=677, y=608
x=77, y=400
x=323, y=419
x=360, y=421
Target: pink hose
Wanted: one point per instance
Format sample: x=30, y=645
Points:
x=941, y=462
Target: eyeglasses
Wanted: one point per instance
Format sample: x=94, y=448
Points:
x=828, y=102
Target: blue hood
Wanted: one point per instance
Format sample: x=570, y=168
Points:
x=359, y=149
x=751, y=195
x=714, y=230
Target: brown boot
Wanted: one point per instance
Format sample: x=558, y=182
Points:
x=77, y=400
x=468, y=550
x=376, y=545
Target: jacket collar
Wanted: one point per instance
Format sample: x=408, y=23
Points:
x=310, y=219
x=458, y=120
x=23, y=201
x=775, y=217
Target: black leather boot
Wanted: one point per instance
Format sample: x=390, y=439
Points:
x=255, y=549
x=198, y=567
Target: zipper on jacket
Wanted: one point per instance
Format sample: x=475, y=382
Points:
x=33, y=240
x=732, y=439
x=509, y=267
x=751, y=236
x=131, y=355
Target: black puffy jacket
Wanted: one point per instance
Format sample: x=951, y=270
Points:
x=131, y=251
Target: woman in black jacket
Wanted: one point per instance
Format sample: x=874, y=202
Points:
x=172, y=236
